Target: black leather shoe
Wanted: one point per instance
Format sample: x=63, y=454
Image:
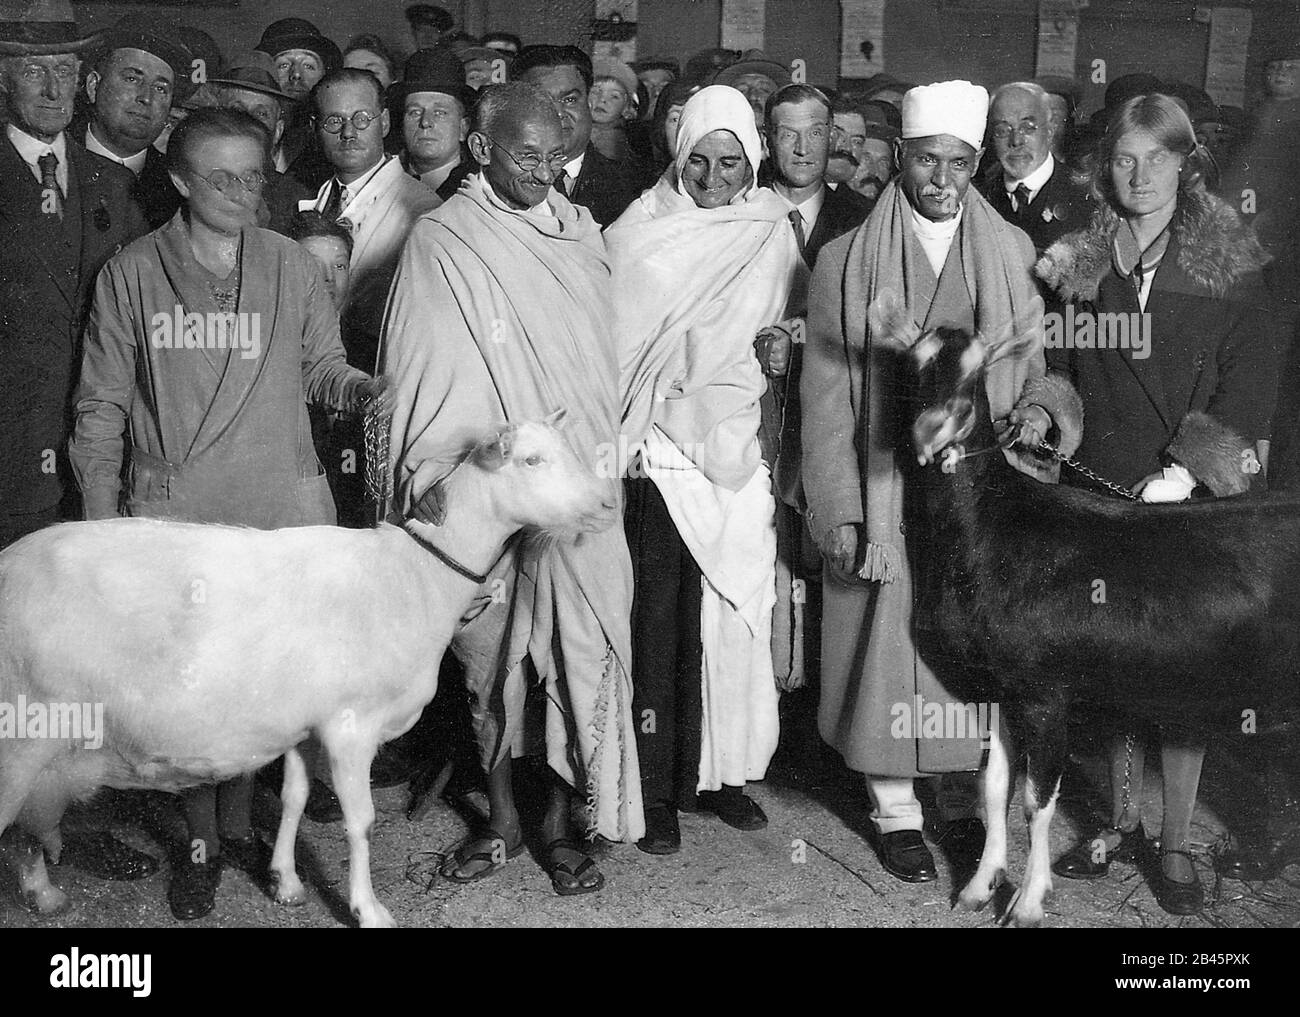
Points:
x=1251, y=863
x=1089, y=860
x=733, y=808
x=904, y=855
x=193, y=889
x=662, y=834
x=1174, y=897
x=103, y=856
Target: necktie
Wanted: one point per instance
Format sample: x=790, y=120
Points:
x=562, y=182
x=51, y=194
x=334, y=203
x=796, y=220
x=1022, y=199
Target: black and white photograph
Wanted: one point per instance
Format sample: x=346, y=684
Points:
x=647, y=464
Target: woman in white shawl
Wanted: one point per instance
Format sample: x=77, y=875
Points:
x=701, y=262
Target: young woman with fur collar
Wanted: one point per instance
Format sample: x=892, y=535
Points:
x=1166, y=336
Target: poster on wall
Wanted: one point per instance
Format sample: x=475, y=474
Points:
x=743, y=24
x=862, y=38
x=1225, y=67
x=1058, y=37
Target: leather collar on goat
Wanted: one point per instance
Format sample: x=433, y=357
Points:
x=449, y=561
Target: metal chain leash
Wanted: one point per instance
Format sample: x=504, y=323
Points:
x=1078, y=467
x=1126, y=794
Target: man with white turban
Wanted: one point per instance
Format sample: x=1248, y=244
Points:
x=934, y=243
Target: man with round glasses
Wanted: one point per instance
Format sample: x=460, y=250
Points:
x=370, y=191
x=1031, y=189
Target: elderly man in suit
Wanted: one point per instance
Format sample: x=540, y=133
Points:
x=63, y=213
x=605, y=186
x=138, y=71
x=1031, y=188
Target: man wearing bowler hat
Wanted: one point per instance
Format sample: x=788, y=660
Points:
x=249, y=83
x=139, y=70
x=63, y=213
x=432, y=104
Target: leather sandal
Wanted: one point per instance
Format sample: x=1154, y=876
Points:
x=561, y=872
x=1082, y=861
x=497, y=854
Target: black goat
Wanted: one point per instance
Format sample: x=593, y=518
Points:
x=1039, y=597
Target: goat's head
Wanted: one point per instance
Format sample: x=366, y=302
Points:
x=950, y=364
x=539, y=481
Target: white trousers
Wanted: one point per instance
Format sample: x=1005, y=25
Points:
x=894, y=805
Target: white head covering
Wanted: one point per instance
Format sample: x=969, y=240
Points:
x=718, y=108
x=947, y=107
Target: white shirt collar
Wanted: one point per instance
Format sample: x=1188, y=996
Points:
x=31, y=149
x=574, y=166
x=809, y=209
x=135, y=163
x=935, y=238
x=1036, y=180
x=360, y=194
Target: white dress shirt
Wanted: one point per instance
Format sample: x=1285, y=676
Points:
x=135, y=163
x=935, y=237
x=1034, y=183
x=31, y=149
x=357, y=197
x=809, y=209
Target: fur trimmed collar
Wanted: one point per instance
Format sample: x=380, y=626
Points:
x=1215, y=249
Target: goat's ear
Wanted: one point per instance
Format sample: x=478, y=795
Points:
x=888, y=321
x=494, y=453
x=557, y=418
x=1020, y=339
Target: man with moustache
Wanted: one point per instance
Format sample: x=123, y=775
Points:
x=511, y=281
x=138, y=73
x=603, y=185
x=432, y=104
x=63, y=213
x=1031, y=188
x=938, y=248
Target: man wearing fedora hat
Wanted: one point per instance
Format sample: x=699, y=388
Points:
x=433, y=104
x=63, y=213
x=249, y=83
x=139, y=69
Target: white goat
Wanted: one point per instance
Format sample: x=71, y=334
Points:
x=214, y=649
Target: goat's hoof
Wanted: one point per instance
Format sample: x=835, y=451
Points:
x=47, y=902
x=374, y=917
x=289, y=890
x=1020, y=914
x=977, y=894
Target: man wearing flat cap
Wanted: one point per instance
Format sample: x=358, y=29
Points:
x=63, y=213
x=948, y=259
x=429, y=23
x=139, y=70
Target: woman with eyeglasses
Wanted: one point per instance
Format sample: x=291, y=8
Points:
x=700, y=263
x=207, y=338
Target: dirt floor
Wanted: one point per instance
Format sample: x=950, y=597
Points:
x=811, y=867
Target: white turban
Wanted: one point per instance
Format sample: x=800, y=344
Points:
x=719, y=108
x=947, y=107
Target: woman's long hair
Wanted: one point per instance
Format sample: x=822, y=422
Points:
x=1166, y=121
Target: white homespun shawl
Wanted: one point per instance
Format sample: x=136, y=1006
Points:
x=692, y=287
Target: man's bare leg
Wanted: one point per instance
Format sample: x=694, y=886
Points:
x=503, y=835
x=571, y=869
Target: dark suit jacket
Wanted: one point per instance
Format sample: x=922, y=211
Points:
x=843, y=209
x=1061, y=207
x=606, y=187
x=47, y=268
x=154, y=191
